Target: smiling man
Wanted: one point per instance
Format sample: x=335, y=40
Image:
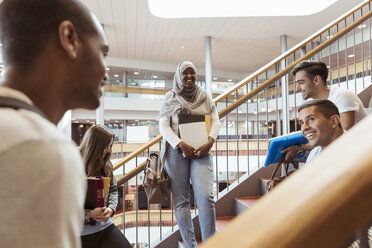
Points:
x=320, y=124
x=311, y=78
x=54, y=56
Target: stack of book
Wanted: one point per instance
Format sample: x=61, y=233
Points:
x=97, y=192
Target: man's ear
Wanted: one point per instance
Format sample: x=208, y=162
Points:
x=317, y=80
x=335, y=120
x=68, y=39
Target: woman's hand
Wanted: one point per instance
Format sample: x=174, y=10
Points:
x=204, y=149
x=101, y=214
x=188, y=151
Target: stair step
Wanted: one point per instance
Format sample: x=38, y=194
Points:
x=243, y=203
x=181, y=244
x=249, y=201
x=221, y=222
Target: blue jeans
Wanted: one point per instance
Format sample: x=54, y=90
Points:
x=180, y=170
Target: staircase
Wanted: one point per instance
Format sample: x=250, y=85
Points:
x=265, y=109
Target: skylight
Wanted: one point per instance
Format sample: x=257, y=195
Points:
x=235, y=8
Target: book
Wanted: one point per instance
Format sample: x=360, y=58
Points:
x=194, y=129
x=96, y=192
x=277, y=144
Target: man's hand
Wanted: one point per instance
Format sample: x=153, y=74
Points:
x=187, y=150
x=291, y=153
x=204, y=149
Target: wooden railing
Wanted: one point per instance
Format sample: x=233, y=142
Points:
x=267, y=83
x=321, y=205
x=258, y=98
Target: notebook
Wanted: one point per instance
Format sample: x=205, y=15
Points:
x=97, y=192
x=194, y=129
x=279, y=143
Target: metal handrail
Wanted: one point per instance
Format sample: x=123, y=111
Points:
x=277, y=76
x=288, y=53
x=270, y=81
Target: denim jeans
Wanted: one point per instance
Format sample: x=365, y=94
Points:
x=180, y=170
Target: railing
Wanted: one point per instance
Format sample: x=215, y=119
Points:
x=264, y=105
x=321, y=205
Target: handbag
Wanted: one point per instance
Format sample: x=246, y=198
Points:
x=156, y=181
x=276, y=180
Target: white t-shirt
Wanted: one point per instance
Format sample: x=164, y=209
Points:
x=314, y=153
x=42, y=185
x=345, y=100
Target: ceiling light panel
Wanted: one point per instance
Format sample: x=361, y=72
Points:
x=235, y=8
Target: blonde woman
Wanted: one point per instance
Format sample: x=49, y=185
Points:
x=99, y=230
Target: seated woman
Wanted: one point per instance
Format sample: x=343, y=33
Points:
x=184, y=162
x=99, y=230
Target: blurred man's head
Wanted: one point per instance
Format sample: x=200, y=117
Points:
x=308, y=76
x=55, y=35
x=320, y=122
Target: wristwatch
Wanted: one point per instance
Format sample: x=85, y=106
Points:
x=300, y=150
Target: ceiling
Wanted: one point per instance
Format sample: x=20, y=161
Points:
x=139, y=40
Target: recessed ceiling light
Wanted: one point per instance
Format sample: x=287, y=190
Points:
x=351, y=55
x=116, y=75
x=235, y=8
x=182, y=47
x=215, y=78
x=155, y=76
x=362, y=26
x=229, y=80
x=1, y=44
x=107, y=69
x=136, y=73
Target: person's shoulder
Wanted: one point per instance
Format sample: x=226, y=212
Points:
x=342, y=91
x=169, y=95
x=23, y=126
x=341, y=95
x=313, y=153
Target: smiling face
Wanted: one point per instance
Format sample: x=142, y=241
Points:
x=317, y=128
x=188, y=78
x=304, y=85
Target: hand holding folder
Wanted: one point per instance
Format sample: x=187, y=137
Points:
x=194, y=129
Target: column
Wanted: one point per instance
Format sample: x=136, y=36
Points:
x=314, y=44
x=125, y=83
x=100, y=110
x=284, y=83
x=208, y=65
x=302, y=51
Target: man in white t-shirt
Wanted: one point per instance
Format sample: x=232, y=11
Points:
x=320, y=124
x=311, y=78
x=53, y=54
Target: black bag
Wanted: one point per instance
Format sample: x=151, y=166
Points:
x=156, y=181
x=276, y=180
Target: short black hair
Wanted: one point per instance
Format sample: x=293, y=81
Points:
x=26, y=26
x=326, y=107
x=312, y=68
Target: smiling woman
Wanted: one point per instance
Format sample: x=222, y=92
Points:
x=184, y=162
